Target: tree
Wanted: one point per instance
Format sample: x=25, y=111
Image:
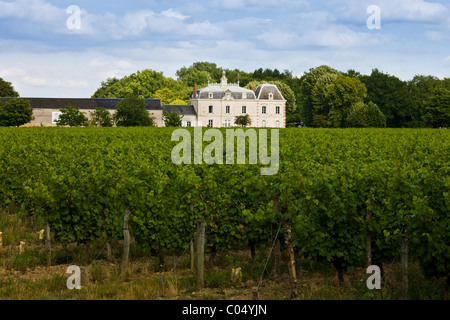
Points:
x=142, y=84
x=320, y=121
x=341, y=95
x=307, y=85
x=71, y=116
x=172, y=119
x=421, y=89
x=437, y=109
x=365, y=116
x=243, y=120
x=131, y=112
x=105, y=90
x=392, y=96
x=319, y=95
x=7, y=90
x=200, y=73
x=165, y=95
x=15, y=112
x=101, y=118
x=178, y=102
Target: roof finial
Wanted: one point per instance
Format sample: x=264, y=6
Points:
x=224, y=80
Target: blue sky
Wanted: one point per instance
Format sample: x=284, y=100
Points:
x=42, y=57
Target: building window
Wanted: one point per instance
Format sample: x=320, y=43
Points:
x=227, y=109
x=277, y=110
x=210, y=123
x=264, y=124
x=244, y=95
x=188, y=124
x=270, y=96
x=211, y=109
x=244, y=109
x=277, y=124
x=210, y=95
x=227, y=123
x=263, y=109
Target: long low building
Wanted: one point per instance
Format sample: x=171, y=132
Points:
x=47, y=110
x=215, y=105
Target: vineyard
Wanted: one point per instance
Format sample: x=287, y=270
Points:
x=82, y=182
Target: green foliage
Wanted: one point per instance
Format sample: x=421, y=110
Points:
x=72, y=117
x=7, y=90
x=101, y=118
x=365, y=116
x=327, y=181
x=270, y=75
x=132, y=112
x=312, y=99
x=392, y=96
x=313, y=81
x=242, y=120
x=165, y=95
x=15, y=112
x=341, y=95
x=142, y=84
x=320, y=121
x=172, y=119
x=437, y=109
x=199, y=73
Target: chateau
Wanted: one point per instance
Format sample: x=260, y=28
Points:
x=216, y=105
x=219, y=103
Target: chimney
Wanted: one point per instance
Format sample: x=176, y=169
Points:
x=195, y=91
x=252, y=87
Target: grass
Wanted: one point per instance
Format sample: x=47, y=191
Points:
x=26, y=277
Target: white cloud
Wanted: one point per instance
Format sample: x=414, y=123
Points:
x=34, y=10
x=397, y=10
x=173, y=14
x=447, y=61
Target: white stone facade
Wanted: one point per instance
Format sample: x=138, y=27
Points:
x=218, y=104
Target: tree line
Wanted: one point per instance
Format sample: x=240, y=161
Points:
x=322, y=97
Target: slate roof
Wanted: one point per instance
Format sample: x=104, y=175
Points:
x=219, y=92
x=185, y=110
x=83, y=103
x=263, y=90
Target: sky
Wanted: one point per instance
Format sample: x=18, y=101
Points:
x=65, y=49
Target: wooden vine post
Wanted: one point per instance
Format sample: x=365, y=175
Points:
x=191, y=244
x=404, y=261
x=289, y=247
x=126, y=242
x=368, y=235
x=48, y=242
x=108, y=250
x=200, y=254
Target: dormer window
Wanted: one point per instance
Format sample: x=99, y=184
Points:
x=210, y=95
x=244, y=95
x=270, y=96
